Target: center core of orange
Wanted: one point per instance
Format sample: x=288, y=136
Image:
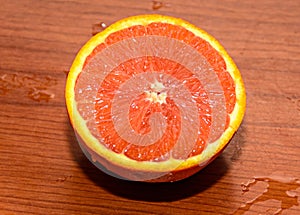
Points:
x=156, y=94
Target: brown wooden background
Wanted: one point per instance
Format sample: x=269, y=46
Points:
x=42, y=169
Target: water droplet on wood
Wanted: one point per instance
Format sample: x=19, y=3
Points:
x=98, y=27
x=157, y=5
x=281, y=189
x=36, y=88
x=40, y=95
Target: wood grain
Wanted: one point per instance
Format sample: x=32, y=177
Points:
x=43, y=170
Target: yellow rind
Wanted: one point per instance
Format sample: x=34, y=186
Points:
x=120, y=159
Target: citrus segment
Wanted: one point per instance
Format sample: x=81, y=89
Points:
x=152, y=97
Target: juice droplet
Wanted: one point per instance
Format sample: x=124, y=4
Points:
x=9, y=82
x=291, y=193
x=40, y=95
x=245, y=186
x=158, y=4
x=37, y=88
x=281, y=189
x=98, y=27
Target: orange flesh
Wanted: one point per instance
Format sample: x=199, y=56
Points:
x=140, y=117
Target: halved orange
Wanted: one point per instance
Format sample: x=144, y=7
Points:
x=154, y=98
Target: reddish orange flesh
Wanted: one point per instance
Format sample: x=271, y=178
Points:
x=139, y=118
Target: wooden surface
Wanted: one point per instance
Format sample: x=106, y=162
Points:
x=42, y=169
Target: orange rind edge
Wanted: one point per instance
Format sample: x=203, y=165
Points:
x=211, y=150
